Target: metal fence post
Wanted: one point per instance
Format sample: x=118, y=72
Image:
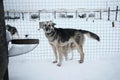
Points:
x=109, y=13
x=116, y=13
x=100, y=14
x=39, y=13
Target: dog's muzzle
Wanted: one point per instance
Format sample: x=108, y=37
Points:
x=47, y=29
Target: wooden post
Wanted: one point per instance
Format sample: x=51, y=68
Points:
x=14, y=14
x=39, y=13
x=100, y=14
x=19, y=14
x=113, y=24
x=76, y=13
x=22, y=15
x=116, y=13
x=8, y=15
x=65, y=13
x=54, y=14
x=3, y=46
x=109, y=13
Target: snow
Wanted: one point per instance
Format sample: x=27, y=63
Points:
x=106, y=68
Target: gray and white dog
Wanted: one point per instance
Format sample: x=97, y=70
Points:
x=65, y=40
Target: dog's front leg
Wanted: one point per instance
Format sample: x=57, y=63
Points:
x=55, y=53
x=60, y=55
x=80, y=50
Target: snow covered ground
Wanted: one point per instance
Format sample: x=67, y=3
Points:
x=106, y=68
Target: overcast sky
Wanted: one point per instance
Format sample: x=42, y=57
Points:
x=58, y=4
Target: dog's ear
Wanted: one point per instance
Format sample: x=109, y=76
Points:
x=53, y=24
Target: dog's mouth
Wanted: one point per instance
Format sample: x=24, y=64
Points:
x=47, y=29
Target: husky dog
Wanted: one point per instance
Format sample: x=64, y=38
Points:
x=65, y=40
x=13, y=31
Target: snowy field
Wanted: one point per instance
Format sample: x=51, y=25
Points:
x=107, y=68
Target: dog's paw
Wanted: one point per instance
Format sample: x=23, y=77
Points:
x=54, y=61
x=81, y=61
x=58, y=65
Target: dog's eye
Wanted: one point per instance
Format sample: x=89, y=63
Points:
x=48, y=25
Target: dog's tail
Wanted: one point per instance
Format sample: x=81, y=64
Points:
x=90, y=34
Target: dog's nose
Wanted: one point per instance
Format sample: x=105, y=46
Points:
x=47, y=29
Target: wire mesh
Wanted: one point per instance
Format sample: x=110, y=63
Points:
x=25, y=15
